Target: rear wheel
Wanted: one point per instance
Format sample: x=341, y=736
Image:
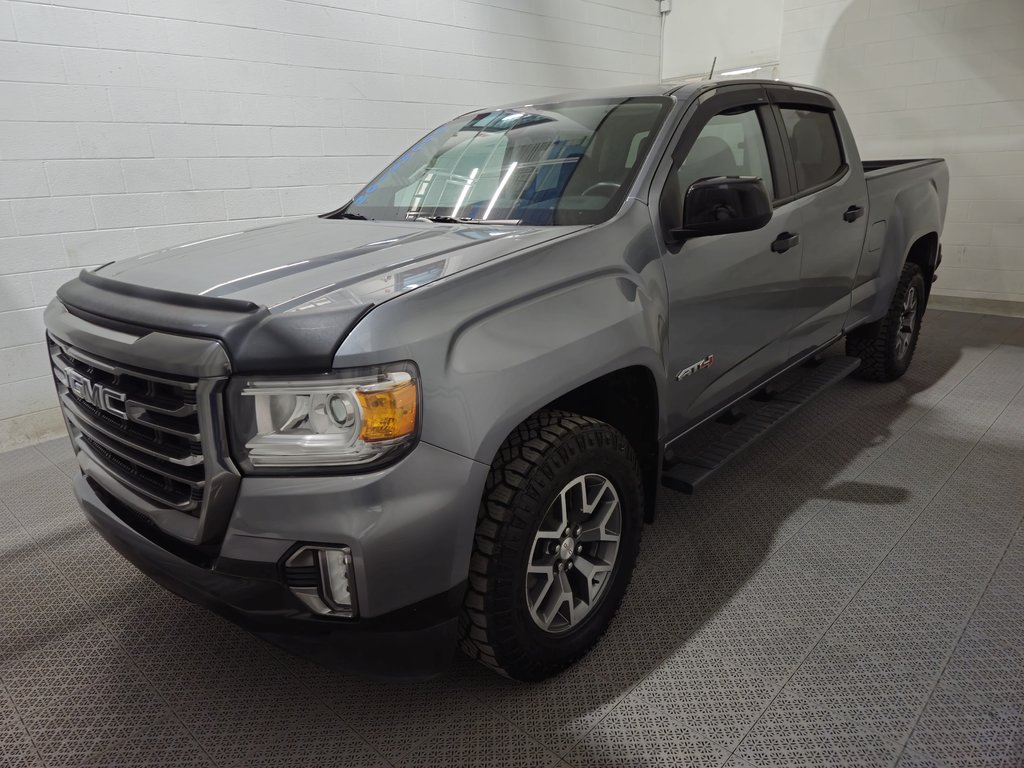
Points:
x=886, y=347
x=555, y=547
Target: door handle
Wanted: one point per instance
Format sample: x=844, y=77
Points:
x=785, y=241
x=853, y=213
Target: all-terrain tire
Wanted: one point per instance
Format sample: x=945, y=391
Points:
x=533, y=466
x=886, y=347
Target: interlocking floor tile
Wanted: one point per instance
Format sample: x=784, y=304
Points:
x=812, y=735
x=975, y=717
x=16, y=746
x=17, y=463
x=738, y=762
x=556, y=712
x=637, y=734
x=630, y=651
x=481, y=738
x=262, y=739
x=108, y=742
x=956, y=730
x=392, y=717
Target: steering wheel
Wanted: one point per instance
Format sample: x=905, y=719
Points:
x=605, y=188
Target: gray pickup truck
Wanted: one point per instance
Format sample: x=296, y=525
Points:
x=440, y=415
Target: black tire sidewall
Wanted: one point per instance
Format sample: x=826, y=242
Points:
x=897, y=365
x=594, y=449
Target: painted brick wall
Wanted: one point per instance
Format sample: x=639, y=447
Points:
x=129, y=125
x=933, y=78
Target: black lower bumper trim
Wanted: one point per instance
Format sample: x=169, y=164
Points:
x=416, y=641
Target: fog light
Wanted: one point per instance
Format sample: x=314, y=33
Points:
x=336, y=570
x=322, y=578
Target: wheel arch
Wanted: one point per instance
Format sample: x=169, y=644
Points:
x=912, y=233
x=626, y=399
x=925, y=253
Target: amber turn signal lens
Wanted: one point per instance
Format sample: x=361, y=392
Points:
x=389, y=413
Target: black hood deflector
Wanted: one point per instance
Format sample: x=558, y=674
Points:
x=256, y=340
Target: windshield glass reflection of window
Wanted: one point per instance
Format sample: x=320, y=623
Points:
x=565, y=163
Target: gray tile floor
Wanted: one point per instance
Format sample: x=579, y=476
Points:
x=850, y=593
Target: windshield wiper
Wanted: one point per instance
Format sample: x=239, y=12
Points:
x=347, y=215
x=450, y=220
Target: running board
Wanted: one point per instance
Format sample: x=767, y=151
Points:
x=694, y=469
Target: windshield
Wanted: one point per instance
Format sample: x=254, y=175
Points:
x=565, y=163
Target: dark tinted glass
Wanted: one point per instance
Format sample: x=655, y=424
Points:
x=731, y=144
x=815, y=145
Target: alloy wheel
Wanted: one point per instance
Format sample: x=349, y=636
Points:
x=574, y=553
x=908, y=323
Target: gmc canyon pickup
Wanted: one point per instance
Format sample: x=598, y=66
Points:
x=440, y=414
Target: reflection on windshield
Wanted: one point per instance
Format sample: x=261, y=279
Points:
x=566, y=163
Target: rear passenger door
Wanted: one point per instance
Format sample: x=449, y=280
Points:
x=830, y=191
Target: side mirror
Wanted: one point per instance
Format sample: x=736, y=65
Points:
x=722, y=205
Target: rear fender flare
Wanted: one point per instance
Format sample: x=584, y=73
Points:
x=916, y=212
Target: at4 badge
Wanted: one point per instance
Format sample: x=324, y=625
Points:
x=701, y=365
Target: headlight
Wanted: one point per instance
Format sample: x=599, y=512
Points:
x=343, y=419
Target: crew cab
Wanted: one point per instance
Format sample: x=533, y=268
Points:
x=440, y=414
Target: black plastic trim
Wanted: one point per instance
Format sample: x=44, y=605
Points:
x=256, y=340
x=873, y=169
x=201, y=556
x=192, y=301
x=692, y=470
x=415, y=641
x=775, y=141
x=786, y=95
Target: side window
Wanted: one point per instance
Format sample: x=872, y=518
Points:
x=815, y=145
x=634, y=147
x=731, y=144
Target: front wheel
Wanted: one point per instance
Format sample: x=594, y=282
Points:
x=886, y=347
x=555, y=546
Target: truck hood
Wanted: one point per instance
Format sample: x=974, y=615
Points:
x=286, y=266
x=283, y=298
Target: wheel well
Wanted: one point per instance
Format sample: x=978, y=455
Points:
x=627, y=399
x=924, y=252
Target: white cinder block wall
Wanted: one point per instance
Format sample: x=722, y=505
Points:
x=129, y=125
x=933, y=78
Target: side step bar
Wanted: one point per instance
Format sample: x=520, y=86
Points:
x=694, y=469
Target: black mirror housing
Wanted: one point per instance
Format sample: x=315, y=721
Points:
x=723, y=205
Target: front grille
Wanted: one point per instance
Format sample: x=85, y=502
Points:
x=141, y=427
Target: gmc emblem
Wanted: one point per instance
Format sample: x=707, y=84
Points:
x=95, y=394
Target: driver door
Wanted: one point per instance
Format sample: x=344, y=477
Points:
x=731, y=297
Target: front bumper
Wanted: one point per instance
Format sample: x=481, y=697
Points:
x=410, y=529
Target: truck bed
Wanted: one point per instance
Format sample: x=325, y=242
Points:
x=875, y=168
x=907, y=202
